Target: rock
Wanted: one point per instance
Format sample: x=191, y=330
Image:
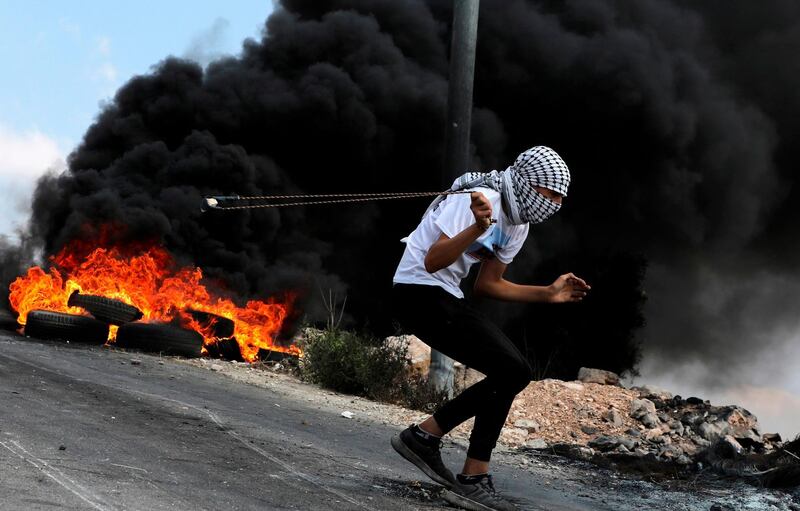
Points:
x=740, y=423
x=573, y=385
x=692, y=418
x=663, y=417
x=347, y=414
x=738, y=416
x=531, y=425
x=670, y=452
x=710, y=431
x=216, y=367
x=694, y=401
x=633, y=432
x=650, y=420
x=579, y=452
x=720, y=507
x=604, y=443
x=613, y=417
x=683, y=460
x=514, y=435
x=628, y=443
x=622, y=449
x=589, y=430
x=588, y=375
x=700, y=441
x=584, y=412
x=641, y=407
x=773, y=438
x=651, y=434
x=536, y=443
x=689, y=448
x=652, y=390
x=677, y=427
x=730, y=446
x=136, y=362
x=418, y=353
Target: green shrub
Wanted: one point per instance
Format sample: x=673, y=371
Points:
x=351, y=363
x=364, y=365
x=415, y=392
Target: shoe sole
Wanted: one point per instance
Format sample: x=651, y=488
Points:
x=464, y=502
x=403, y=450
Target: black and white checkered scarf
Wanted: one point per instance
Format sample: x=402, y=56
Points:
x=538, y=166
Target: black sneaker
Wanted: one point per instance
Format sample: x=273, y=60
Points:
x=480, y=496
x=427, y=459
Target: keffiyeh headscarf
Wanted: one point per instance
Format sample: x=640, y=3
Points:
x=538, y=166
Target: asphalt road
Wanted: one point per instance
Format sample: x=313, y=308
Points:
x=83, y=428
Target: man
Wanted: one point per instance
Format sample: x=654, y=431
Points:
x=456, y=232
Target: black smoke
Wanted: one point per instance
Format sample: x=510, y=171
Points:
x=676, y=121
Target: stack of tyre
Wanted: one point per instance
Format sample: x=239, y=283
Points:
x=155, y=337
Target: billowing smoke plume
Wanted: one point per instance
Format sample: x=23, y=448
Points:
x=676, y=121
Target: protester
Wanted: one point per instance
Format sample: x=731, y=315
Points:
x=456, y=231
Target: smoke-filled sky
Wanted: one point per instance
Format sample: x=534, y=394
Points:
x=678, y=122
x=63, y=59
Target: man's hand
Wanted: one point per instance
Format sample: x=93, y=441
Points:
x=568, y=288
x=481, y=209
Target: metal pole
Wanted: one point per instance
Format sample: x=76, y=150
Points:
x=459, y=121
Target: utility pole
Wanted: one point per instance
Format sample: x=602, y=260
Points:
x=457, y=136
x=459, y=97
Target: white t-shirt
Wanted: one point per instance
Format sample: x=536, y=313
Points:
x=502, y=240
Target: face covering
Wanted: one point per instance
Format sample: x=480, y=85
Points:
x=538, y=166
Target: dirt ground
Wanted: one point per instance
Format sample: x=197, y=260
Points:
x=549, y=403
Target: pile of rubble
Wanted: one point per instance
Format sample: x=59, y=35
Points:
x=599, y=418
x=586, y=418
x=596, y=416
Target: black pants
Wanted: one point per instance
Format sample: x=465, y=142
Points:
x=453, y=327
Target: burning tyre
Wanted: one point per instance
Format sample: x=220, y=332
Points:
x=8, y=321
x=105, y=309
x=69, y=327
x=218, y=326
x=160, y=338
x=226, y=349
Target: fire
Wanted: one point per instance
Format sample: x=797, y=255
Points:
x=147, y=278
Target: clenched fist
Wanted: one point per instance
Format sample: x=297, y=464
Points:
x=481, y=209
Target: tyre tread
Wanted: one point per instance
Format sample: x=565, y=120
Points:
x=58, y=325
x=105, y=309
x=160, y=337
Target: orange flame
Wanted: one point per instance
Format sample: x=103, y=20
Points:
x=150, y=281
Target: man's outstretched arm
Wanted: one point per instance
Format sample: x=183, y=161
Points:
x=490, y=282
